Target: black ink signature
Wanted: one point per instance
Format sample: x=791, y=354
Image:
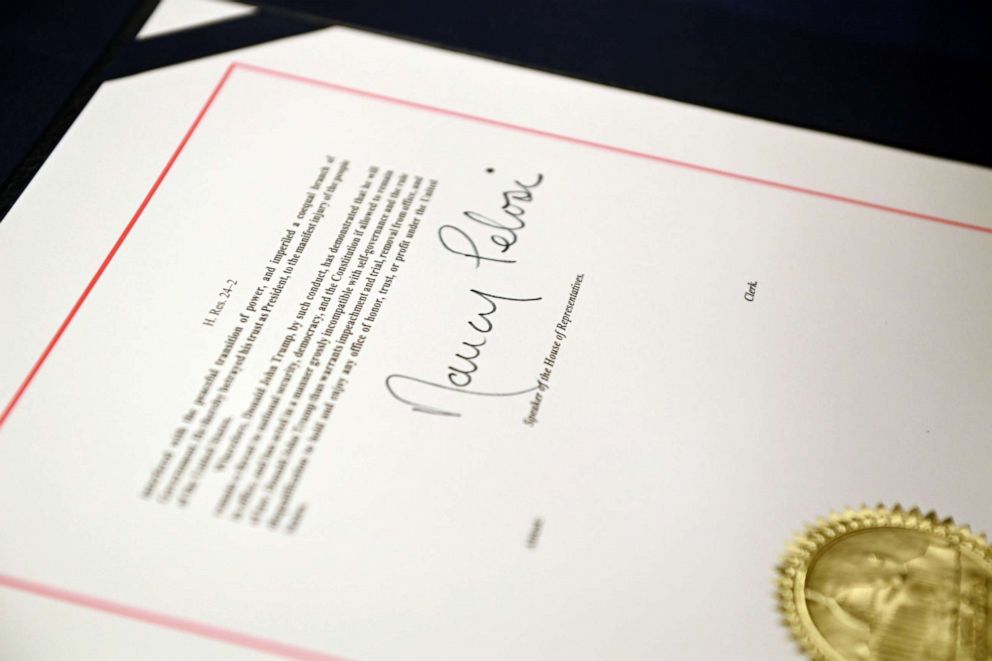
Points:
x=504, y=234
x=461, y=377
x=433, y=410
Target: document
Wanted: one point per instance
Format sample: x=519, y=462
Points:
x=346, y=348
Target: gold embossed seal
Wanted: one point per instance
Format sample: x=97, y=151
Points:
x=885, y=584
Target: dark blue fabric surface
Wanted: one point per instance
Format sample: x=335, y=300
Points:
x=51, y=58
x=916, y=75
x=912, y=74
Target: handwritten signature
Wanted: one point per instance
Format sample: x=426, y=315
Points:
x=459, y=377
x=503, y=233
x=426, y=396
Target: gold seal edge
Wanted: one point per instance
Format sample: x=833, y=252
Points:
x=806, y=545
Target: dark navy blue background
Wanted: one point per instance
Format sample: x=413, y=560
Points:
x=911, y=74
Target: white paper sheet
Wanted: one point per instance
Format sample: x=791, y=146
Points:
x=763, y=324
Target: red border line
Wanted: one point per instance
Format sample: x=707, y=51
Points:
x=168, y=621
x=274, y=647
x=616, y=150
x=770, y=183
x=113, y=251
